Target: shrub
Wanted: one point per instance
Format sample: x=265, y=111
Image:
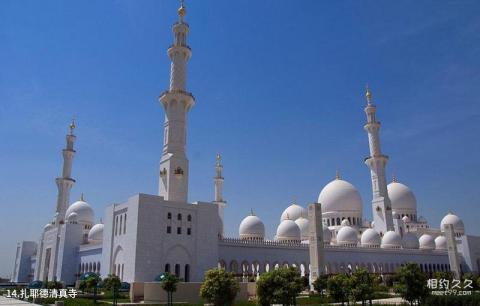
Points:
x=411, y=283
x=219, y=287
x=339, y=287
x=280, y=286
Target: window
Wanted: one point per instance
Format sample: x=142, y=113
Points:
x=179, y=217
x=189, y=231
x=125, y=224
x=328, y=222
x=167, y=268
x=177, y=270
x=169, y=229
x=121, y=223
x=189, y=218
x=179, y=230
x=169, y=216
x=187, y=273
x=116, y=225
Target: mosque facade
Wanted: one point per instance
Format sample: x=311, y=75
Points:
x=150, y=234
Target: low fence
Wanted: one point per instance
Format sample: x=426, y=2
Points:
x=152, y=292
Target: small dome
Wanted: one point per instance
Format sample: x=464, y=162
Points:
x=252, y=228
x=347, y=236
x=426, y=242
x=96, y=233
x=410, y=241
x=327, y=234
x=406, y=219
x=345, y=222
x=303, y=225
x=402, y=198
x=48, y=227
x=293, y=212
x=391, y=240
x=370, y=238
x=288, y=230
x=340, y=195
x=422, y=219
x=441, y=243
x=73, y=217
x=450, y=218
x=83, y=210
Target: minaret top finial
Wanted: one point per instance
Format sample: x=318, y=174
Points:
x=182, y=11
x=337, y=175
x=219, y=159
x=368, y=95
x=72, y=126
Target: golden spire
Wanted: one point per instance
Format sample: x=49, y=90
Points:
x=337, y=175
x=368, y=95
x=72, y=126
x=182, y=11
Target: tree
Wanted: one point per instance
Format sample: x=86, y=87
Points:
x=219, y=287
x=320, y=284
x=339, y=287
x=471, y=277
x=54, y=285
x=112, y=283
x=362, y=286
x=169, y=284
x=280, y=286
x=411, y=283
x=91, y=282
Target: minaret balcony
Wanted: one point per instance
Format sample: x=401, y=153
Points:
x=181, y=49
x=378, y=157
x=179, y=95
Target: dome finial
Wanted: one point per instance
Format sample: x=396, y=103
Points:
x=368, y=95
x=252, y=213
x=394, y=179
x=72, y=126
x=182, y=11
x=82, y=198
x=337, y=175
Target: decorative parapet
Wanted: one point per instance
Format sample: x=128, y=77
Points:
x=258, y=242
x=304, y=245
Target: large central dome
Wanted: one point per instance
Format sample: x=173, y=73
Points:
x=402, y=199
x=340, y=195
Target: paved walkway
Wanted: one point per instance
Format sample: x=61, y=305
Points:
x=13, y=302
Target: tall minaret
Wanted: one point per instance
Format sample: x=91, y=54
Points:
x=219, y=201
x=382, y=209
x=65, y=182
x=177, y=102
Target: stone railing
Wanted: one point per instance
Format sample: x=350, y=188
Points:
x=259, y=242
x=173, y=91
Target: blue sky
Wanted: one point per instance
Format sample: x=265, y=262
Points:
x=280, y=93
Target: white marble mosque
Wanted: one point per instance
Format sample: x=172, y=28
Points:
x=150, y=234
